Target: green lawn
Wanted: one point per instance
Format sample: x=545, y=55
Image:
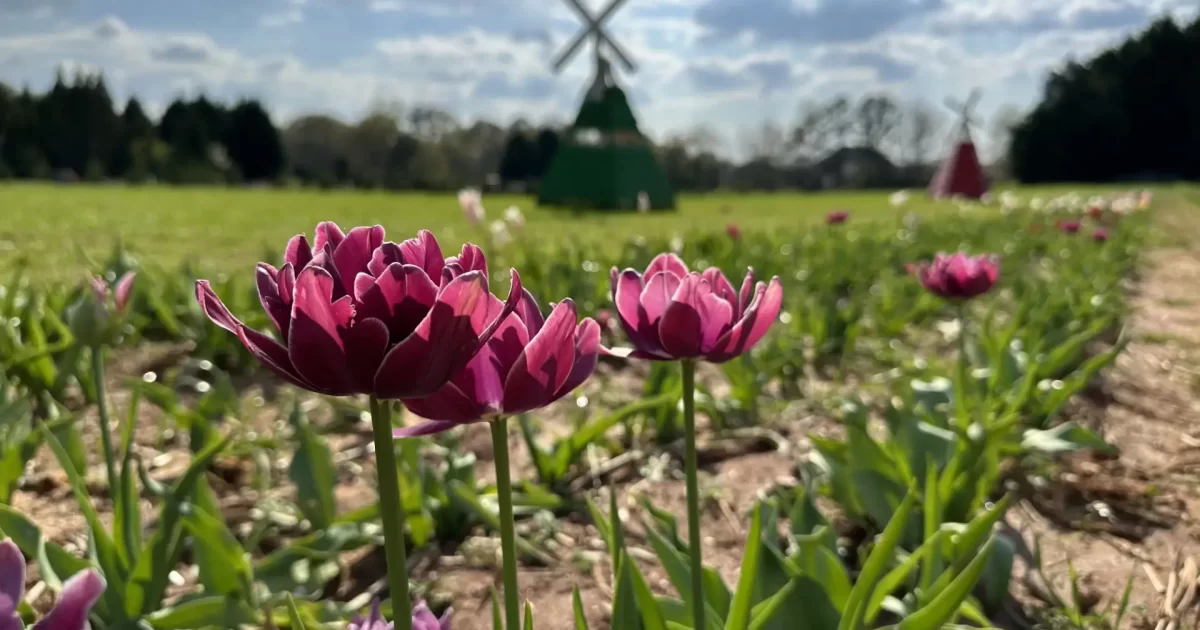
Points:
x=227, y=229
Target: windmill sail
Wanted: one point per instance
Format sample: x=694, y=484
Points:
x=961, y=173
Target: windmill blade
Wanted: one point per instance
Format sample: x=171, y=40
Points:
x=973, y=98
x=568, y=52
x=581, y=10
x=621, y=56
x=953, y=105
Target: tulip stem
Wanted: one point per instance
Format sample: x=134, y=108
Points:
x=508, y=538
x=693, y=490
x=392, y=512
x=110, y=457
x=964, y=367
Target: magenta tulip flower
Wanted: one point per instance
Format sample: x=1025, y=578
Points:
x=733, y=231
x=836, y=217
x=957, y=277
x=422, y=619
x=1100, y=235
x=70, y=612
x=669, y=313
x=360, y=315
x=528, y=364
x=1069, y=227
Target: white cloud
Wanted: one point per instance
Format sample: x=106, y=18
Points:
x=282, y=18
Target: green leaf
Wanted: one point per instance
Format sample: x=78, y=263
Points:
x=528, y=615
x=54, y=563
x=942, y=608
x=625, y=614
x=497, y=617
x=227, y=571
x=294, y=614
x=127, y=517
x=313, y=472
x=879, y=559
x=470, y=501
x=205, y=612
x=744, y=595
x=1065, y=438
x=581, y=622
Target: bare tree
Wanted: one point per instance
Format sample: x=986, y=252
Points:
x=876, y=118
x=1001, y=128
x=920, y=128
x=822, y=127
x=767, y=141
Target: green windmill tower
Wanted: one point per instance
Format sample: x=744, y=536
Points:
x=603, y=160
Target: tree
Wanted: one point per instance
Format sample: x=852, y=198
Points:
x=253, y=142
x=547, y=147
x=918, y=130
x=876, y=118
x=766, y=142
x=520, y=160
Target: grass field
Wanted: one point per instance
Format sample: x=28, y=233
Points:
x=227, y=229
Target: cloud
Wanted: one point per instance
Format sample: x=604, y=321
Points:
x=827, y=21
x=282, y=18
x=1037, y=16
x=756, y=74
x=37, y=8
x=887, y=69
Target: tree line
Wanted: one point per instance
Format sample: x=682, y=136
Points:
x=1130, y=112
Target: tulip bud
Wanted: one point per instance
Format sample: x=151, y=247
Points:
x=90, y=318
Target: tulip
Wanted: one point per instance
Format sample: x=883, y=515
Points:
x=957, y=277
x=514, y=218
x=529, y=363
x=361, y=315
x=471, y=202
x=70, y=612
x=1100, y=235
x=422, y=619
x=500, y=234
x=733, y=231
x=837, y=216
x=643, y=202
x=1096, y=212
x=1068, y=227
x=671, y=314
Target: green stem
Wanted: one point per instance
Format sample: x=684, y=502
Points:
x=392, y=512
x=110, y=457
x=508, y=537
x=964, y=368
x=693, y=491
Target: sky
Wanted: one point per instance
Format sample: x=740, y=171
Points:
x=726, y=64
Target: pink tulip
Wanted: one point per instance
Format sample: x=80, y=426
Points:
x=422, y=619
x=733, y=231
x=528, y=364
x=360, y=315
x=1100, y=235
x=1068, y=227
x=121, y=295
x=957, y=277
x=669, y=313
x=836, y=217
x=70, y=612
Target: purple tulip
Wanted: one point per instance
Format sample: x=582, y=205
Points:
x=360, y=315
x=422, y=619
x=121, y=296
x=957, y=277
x=1069, y=227
x=528, y=364
x=836, y=217
x=71, y=610
x=669, y=313
x=1100, y=235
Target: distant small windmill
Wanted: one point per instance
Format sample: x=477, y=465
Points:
x=604, y=161
x=961, y=174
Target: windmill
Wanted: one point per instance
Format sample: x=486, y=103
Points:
x=960, y=174
x=603, y=161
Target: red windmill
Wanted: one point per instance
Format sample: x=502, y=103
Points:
x=961, y=173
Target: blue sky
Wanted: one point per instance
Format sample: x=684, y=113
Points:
x=726, y=64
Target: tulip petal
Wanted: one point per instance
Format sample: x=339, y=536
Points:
x=652, y=303
x=323, y=259
x=268, y=295
x=587, y=351
x=670, y=263
x=681, y=327
x=470, y=259
x=79, y=594
x=354, y=254
x=366, y=342
x=424, y=252
x=744, y=295
x=545, y=364
x=298, y=254
x=627, y=289
x=266, y=350
x=755, y=323
x=423, y=362
x=400, y=297
x=315, y=343
x=721, y=286
x=124, y=290
x=432, y=427
x=529, y=312
x=328, y=233
x=384, y=255
x=12, y=576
